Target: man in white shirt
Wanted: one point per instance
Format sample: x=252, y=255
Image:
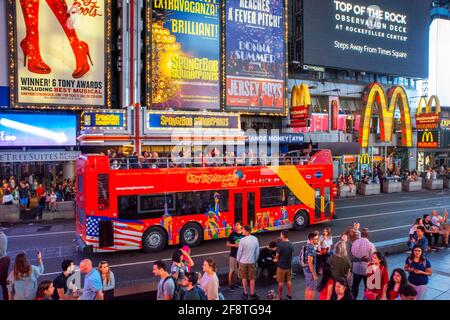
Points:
x=247, y=256
x=440, y=222
x=362, y=251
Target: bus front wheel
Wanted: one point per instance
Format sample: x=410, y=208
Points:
x=301, y=220
x=191, y=235
x=153, y=240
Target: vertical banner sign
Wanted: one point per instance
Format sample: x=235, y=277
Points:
x=255, y=56
x=334, y=107
x=300, y=103
x=185, y=52
x=59, y=55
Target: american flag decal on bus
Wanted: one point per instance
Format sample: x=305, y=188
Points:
x=127, y=235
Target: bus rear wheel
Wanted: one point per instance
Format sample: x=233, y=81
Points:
x=153, y=240
x=301, y=220
x=191, y=235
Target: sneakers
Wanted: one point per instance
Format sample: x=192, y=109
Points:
x=244, y=296
x=271, y=295
x=254, y=297
x=232, y=288
x=288, y=297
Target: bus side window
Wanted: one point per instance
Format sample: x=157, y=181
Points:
x=272, y=197
x=127, y=207
x=292, y=198
x=154, y=206
x=192, y=203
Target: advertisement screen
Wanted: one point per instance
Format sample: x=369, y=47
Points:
x=4, y=83
x=185, y=52
x=60, y=52
x=380, y=36
x=157, y=120
x=22, y=130
x=439, y=81
x=255, y=55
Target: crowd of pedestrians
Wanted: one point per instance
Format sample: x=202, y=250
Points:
x=21, y=193
x=331, y=271
x=20, y=281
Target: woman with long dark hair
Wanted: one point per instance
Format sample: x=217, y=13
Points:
x=398, y=279
x=325, y=247
x=326, y=285
x=45, y=290
x=181, y=260
x=22, y=281
x=108, y=280
x=342, y=290
x=377, y=278
x=419, y=269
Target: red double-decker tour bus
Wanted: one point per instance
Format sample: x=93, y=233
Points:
x=131, y=209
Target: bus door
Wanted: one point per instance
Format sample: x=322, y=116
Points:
x=238, y=207
x=319, y=204
x=327, y=202
x=251, y=208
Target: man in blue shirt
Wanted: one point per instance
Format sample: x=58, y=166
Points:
x=93, y=286
x=310, y=257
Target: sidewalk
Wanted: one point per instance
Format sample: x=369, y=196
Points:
x=438, y=286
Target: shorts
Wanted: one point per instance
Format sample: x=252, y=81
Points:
x=311, y=284
x=24, y=202
x=247, y=271
x=233, y=264
x=284, y=275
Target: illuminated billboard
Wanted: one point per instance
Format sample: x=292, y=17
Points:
x=380, y=36
x=60, y=53
x=255, y=65
x=183, y=53
x=37, y=129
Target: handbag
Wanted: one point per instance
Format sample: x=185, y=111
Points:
x=369, y=295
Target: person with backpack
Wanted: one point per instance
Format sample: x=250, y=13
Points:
x=419, y=269
x=192, y=290
x=308, y=261
x=167, y=284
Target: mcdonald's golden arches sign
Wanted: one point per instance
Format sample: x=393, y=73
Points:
x=428, y=139
x=386, y=104
x=364, y=158
x=428, y=119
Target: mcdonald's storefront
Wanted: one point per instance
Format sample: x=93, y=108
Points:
x=386, y=137
x=432, y=135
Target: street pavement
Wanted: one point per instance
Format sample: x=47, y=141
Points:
x=388, y=216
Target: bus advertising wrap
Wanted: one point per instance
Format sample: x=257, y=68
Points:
x=185, y=52
x=59, y=53
x=255, y=56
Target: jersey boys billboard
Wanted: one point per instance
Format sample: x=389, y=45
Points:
x=382, y=36
x=59, y=52
x=255, y=55
x=185, y=52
